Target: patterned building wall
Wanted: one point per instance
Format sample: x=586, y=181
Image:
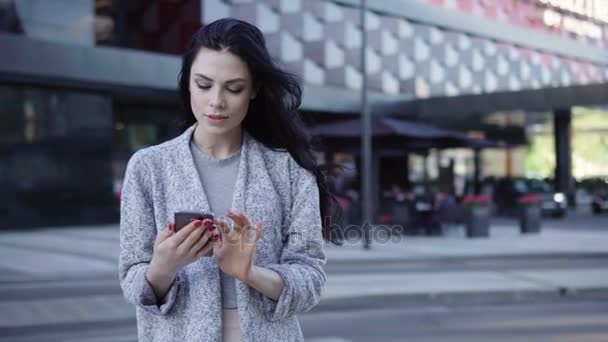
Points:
x=524, y=13
x=320, y=41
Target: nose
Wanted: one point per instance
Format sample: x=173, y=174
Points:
x=217, y=100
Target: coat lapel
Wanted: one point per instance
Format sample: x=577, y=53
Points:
x=240, y=187
x=195, y=195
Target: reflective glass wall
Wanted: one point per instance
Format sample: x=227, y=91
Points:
x=55, y=150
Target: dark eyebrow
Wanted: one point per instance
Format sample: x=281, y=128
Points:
x=229, y=81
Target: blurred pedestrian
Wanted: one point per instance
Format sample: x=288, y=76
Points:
x=244, y=153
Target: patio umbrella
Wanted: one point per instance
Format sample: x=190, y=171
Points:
x=393, y=133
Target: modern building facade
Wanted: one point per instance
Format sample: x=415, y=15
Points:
x=83, y=83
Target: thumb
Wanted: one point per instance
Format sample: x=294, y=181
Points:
x=166, y=233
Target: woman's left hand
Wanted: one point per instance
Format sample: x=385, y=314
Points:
x=236, y=251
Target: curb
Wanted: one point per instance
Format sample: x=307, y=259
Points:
x=474, y=257
x=44, y=330
x=459, y=298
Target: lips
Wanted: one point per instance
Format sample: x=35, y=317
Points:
x=217, y=117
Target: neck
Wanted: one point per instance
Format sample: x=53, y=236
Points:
x=219, y=146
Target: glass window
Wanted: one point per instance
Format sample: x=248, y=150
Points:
x=153, y=25
x=9, y=20
x=48, y=147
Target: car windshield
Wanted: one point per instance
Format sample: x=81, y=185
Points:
x=536, y=185
x=520, y=186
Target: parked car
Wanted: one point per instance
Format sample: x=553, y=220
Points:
x=508, y=190
x=597, y=188
x=599, y=202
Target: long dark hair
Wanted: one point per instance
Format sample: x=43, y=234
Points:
x=272, y=118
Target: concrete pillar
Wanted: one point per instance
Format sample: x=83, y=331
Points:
x=477, y=171
x=425, y=173
x=446, y=175
x=563, y=153
x=375, y=186
x=393, y=170
x=375, y=182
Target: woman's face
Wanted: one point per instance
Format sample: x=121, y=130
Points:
x=221, y=87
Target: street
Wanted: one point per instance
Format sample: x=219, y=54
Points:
x=566, y=320
x=573, y=321
x=382, y=320
x=60, y=284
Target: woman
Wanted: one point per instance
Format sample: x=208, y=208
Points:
x=245, y=156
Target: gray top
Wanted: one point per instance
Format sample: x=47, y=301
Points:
x=270, y=187
x=218, y=177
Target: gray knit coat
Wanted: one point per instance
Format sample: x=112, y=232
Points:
x=270, y=187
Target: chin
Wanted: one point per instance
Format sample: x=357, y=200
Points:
x=216, y=129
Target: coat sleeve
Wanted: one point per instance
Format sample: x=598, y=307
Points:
x=137, y=235
x=302, y=258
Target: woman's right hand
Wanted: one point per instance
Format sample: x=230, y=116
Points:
x=173, y=251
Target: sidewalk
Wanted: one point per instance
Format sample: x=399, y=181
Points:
x=451, y=286
x=76, y=256
x=504, y=240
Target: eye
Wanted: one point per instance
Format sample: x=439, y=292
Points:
x=235, y=90
x=201, y=86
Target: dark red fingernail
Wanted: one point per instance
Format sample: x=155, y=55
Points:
x=171, y=227
x=198, y=223
x=207, y=222
x=212, y=228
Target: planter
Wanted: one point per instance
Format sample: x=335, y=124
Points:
x=478, y=221
x=529, y=218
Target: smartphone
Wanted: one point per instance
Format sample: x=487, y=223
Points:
x=182, y=219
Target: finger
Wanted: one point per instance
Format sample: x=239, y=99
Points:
x=231, y=237
x=258, y=231
x=237, y=219
x=244, y=234
x=207, y=239
x=224, y=227
x=204, y=250
x=216, y=239
x=218, y=246
x=232, y=216
x=251, y=233
x=194, y=237
x=244, y=220
x=185, y=232
x=250, y=236
x=165, y=233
